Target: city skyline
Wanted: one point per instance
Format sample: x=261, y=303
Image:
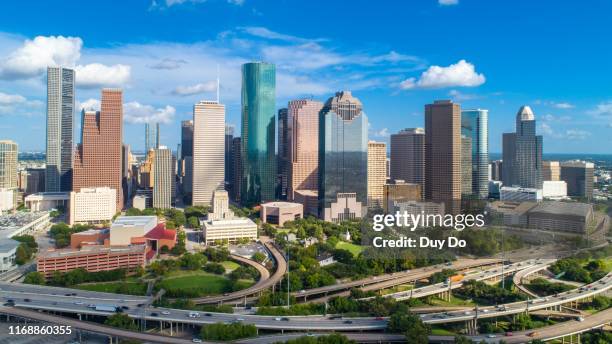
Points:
x=164, y=73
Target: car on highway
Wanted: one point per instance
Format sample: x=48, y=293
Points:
x=166, y=313
x=285, y=319
x=91, y=305
x=196, y=340
x=379, y=318
x=193, y=315
x=207, y=315
x=348, y=321
x=491, y=335
x=27, y=300
x=154, y=314
x=79, y=303
x=532, y=334
x=277, y=319
x=581, y=319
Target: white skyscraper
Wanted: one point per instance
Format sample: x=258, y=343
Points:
x=60, y=126
x=163, y=178
x=208, y=151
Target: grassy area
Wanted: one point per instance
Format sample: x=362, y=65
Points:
x=130, y=288
x=200, y=282
x=354, y=249
x=230, y=266
x=454, y=301
x=437, y=331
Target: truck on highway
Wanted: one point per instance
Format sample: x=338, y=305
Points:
x=107, y=308
x=454, y=279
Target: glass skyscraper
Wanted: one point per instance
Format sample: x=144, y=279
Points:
x=474, y=124
x=522, y=153
x=258, y=133
x=343, y=158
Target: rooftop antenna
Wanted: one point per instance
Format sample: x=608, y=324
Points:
x=217, y=83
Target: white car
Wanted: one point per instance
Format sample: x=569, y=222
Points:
x=196, y=340
x=194, y=314
x=277, y=319
x=166, y=313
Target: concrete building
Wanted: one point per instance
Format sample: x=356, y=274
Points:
x=222, y=226
x=551, y=170
x=400, y=191
x=8, y=251
x=142, y=202
x=579, y=178
x=522, y=153
x=475, y=125
x=208, y=151
x=443, y=154
x=8, y=165
x=97, y=161
x=220, y=206
x=377, y=174
x=510, y=213
x=7, y=199
x=561, y=216
x=21, y=223
x=466, y=166
x=60, y=129
x=32, y=180
x=278, y=213
x=408, y=156
x=45, y=201
x=309, y=199
x=343, y=158
x=496, y=170
x=90, y=237
x=163, y=178
x=259, y=168
x=303, y=151
x=554, y=189
x=92, y=205
x=519, y=194
x=495, y=189
x=124, y=228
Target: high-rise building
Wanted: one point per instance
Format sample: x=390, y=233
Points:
x=126, y=168
x=236, y=170
x=163, y=179
x=443, y=154
x=283, y=153
x=303, y=150
x=8, y=164
x=377, y=174
x=579, y=178
x=400, y=191
x=229, y=156
x=208, y=151
x=408, y=156
x=187, y=138
x=259, y=169
x=474, y=124
x=343, y=158
x=496, y=170
x=97, y=161
x=151, y=136
x=466, y=166
x=551, y=170
x=522, y=153
x=60, y=126
x=186, y=170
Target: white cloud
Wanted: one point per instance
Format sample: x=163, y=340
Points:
x=16, y=104
x=170, y=3
x=168, y=63
x=262, y=32
x=89, y=104
x=384, y=132
x=562, y=105
x=134, y=112
x=96, y=75
x=210, y=86
x=236, y=2
x=602, y=110
x=575, y=134
x=553, y=118
x=33, y=57
x=460, y=74
x=448, y=2
x=460, y=96
x=11, y=98
x=568, y=134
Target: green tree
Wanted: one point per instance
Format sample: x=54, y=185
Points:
x=193, y=222
x=411, y=326
x=221, y=331
x=259, y=257
x=34, y=277
x=462, y=340
x=121, y=320
x=23, y=254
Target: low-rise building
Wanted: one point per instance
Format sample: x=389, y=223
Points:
x=92, y=205
x=124, y=228
x=8, y=250
x=280, y=212
x=554, y=189
x=223, y=226
x=510, y=213
x=561, y=216
x=90, y=237
x=309, y=199
x=519, y=194
x=325, y=259
x=346, y=207
x=45, y=201
x=20, y=223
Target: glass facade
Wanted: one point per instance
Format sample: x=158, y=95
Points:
x=343, y=150
x=474, y=124
x=258, y=133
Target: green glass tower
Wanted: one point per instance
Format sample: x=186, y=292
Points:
x=258, y=133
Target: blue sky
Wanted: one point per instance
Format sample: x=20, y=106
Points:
x=395, y=56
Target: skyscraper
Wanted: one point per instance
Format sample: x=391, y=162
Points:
x=236, y=170
x=208, y=151
x=283, y=153
x=8, y=164
x=97, y=160
x=522, y=153
x=474, y=123
x=377, y=174
x=163, y=179
x=186, y=156
x=60, y=126
x=443, y=154
x=259, y=169
x=408, y=156
x=343, y=158
x=579, y=178
x=303, y=142
x=229, y=156
x=466, y=166
x=151, y=136
x=551, y=170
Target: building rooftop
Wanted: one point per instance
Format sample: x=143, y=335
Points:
x=161, y=233
x=563, y=208
x=7, y=245
x=133, y=221
x=85, y=250
x=279, y=204
x=19, y=219
x=525, y=113
x=512, y=207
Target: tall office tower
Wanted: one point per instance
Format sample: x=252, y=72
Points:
x=8, y=164
x=579, y=178
x=186, y=156
x=377, y=174
x=551, y=170
x=126, y=182
x=208, y=151
x=97, y=161
x=466, y=166
x=283, y=153
x=475, y=124
x=343, y=158
x=229, y=156
x=146, y=170
x=408, y=156
x=60, y=126
x=151, y=136
x=236, y=169
x=522, y=153
x=162, y=184
x=443, y=154
x=496, y=170
x=303, y=146
x=258, y=133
